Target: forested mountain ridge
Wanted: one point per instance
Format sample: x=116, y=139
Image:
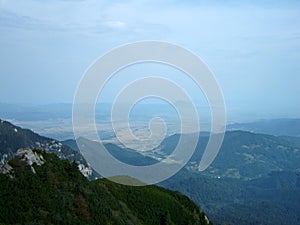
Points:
x=13, y=137
x=53, y=191
x=243, y=155
x=255, y=179
x=270, y=200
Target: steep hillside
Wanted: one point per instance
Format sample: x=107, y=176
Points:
x=13, y=137
x=255, y=179
x=270, y=200
x=53, y=191
x=125, y=155
x=244, y=154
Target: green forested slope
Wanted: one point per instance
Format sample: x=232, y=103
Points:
x=59, y=194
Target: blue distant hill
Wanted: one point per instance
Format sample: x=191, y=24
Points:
x=277, y=127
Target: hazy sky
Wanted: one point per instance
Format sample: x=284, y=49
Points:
x=253, y=47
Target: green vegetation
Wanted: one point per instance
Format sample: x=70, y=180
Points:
x=246, y=155
x=13, y=138
x=59, y=194
x=254, y=179
x=269, y=200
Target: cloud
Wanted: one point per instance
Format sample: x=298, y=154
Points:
x=10, y=19
x=115, y=24
x=13, y=20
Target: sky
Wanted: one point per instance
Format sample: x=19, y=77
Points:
x=252, y=47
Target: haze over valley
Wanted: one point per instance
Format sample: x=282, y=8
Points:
x=149, y=112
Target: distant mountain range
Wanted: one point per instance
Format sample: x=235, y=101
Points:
x=55, y=120
x=277, y=127
x=35, y=112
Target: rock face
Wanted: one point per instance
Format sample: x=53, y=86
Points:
x=86, y=171
x=6, y=169
x=30, y=157
x=13, y=138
